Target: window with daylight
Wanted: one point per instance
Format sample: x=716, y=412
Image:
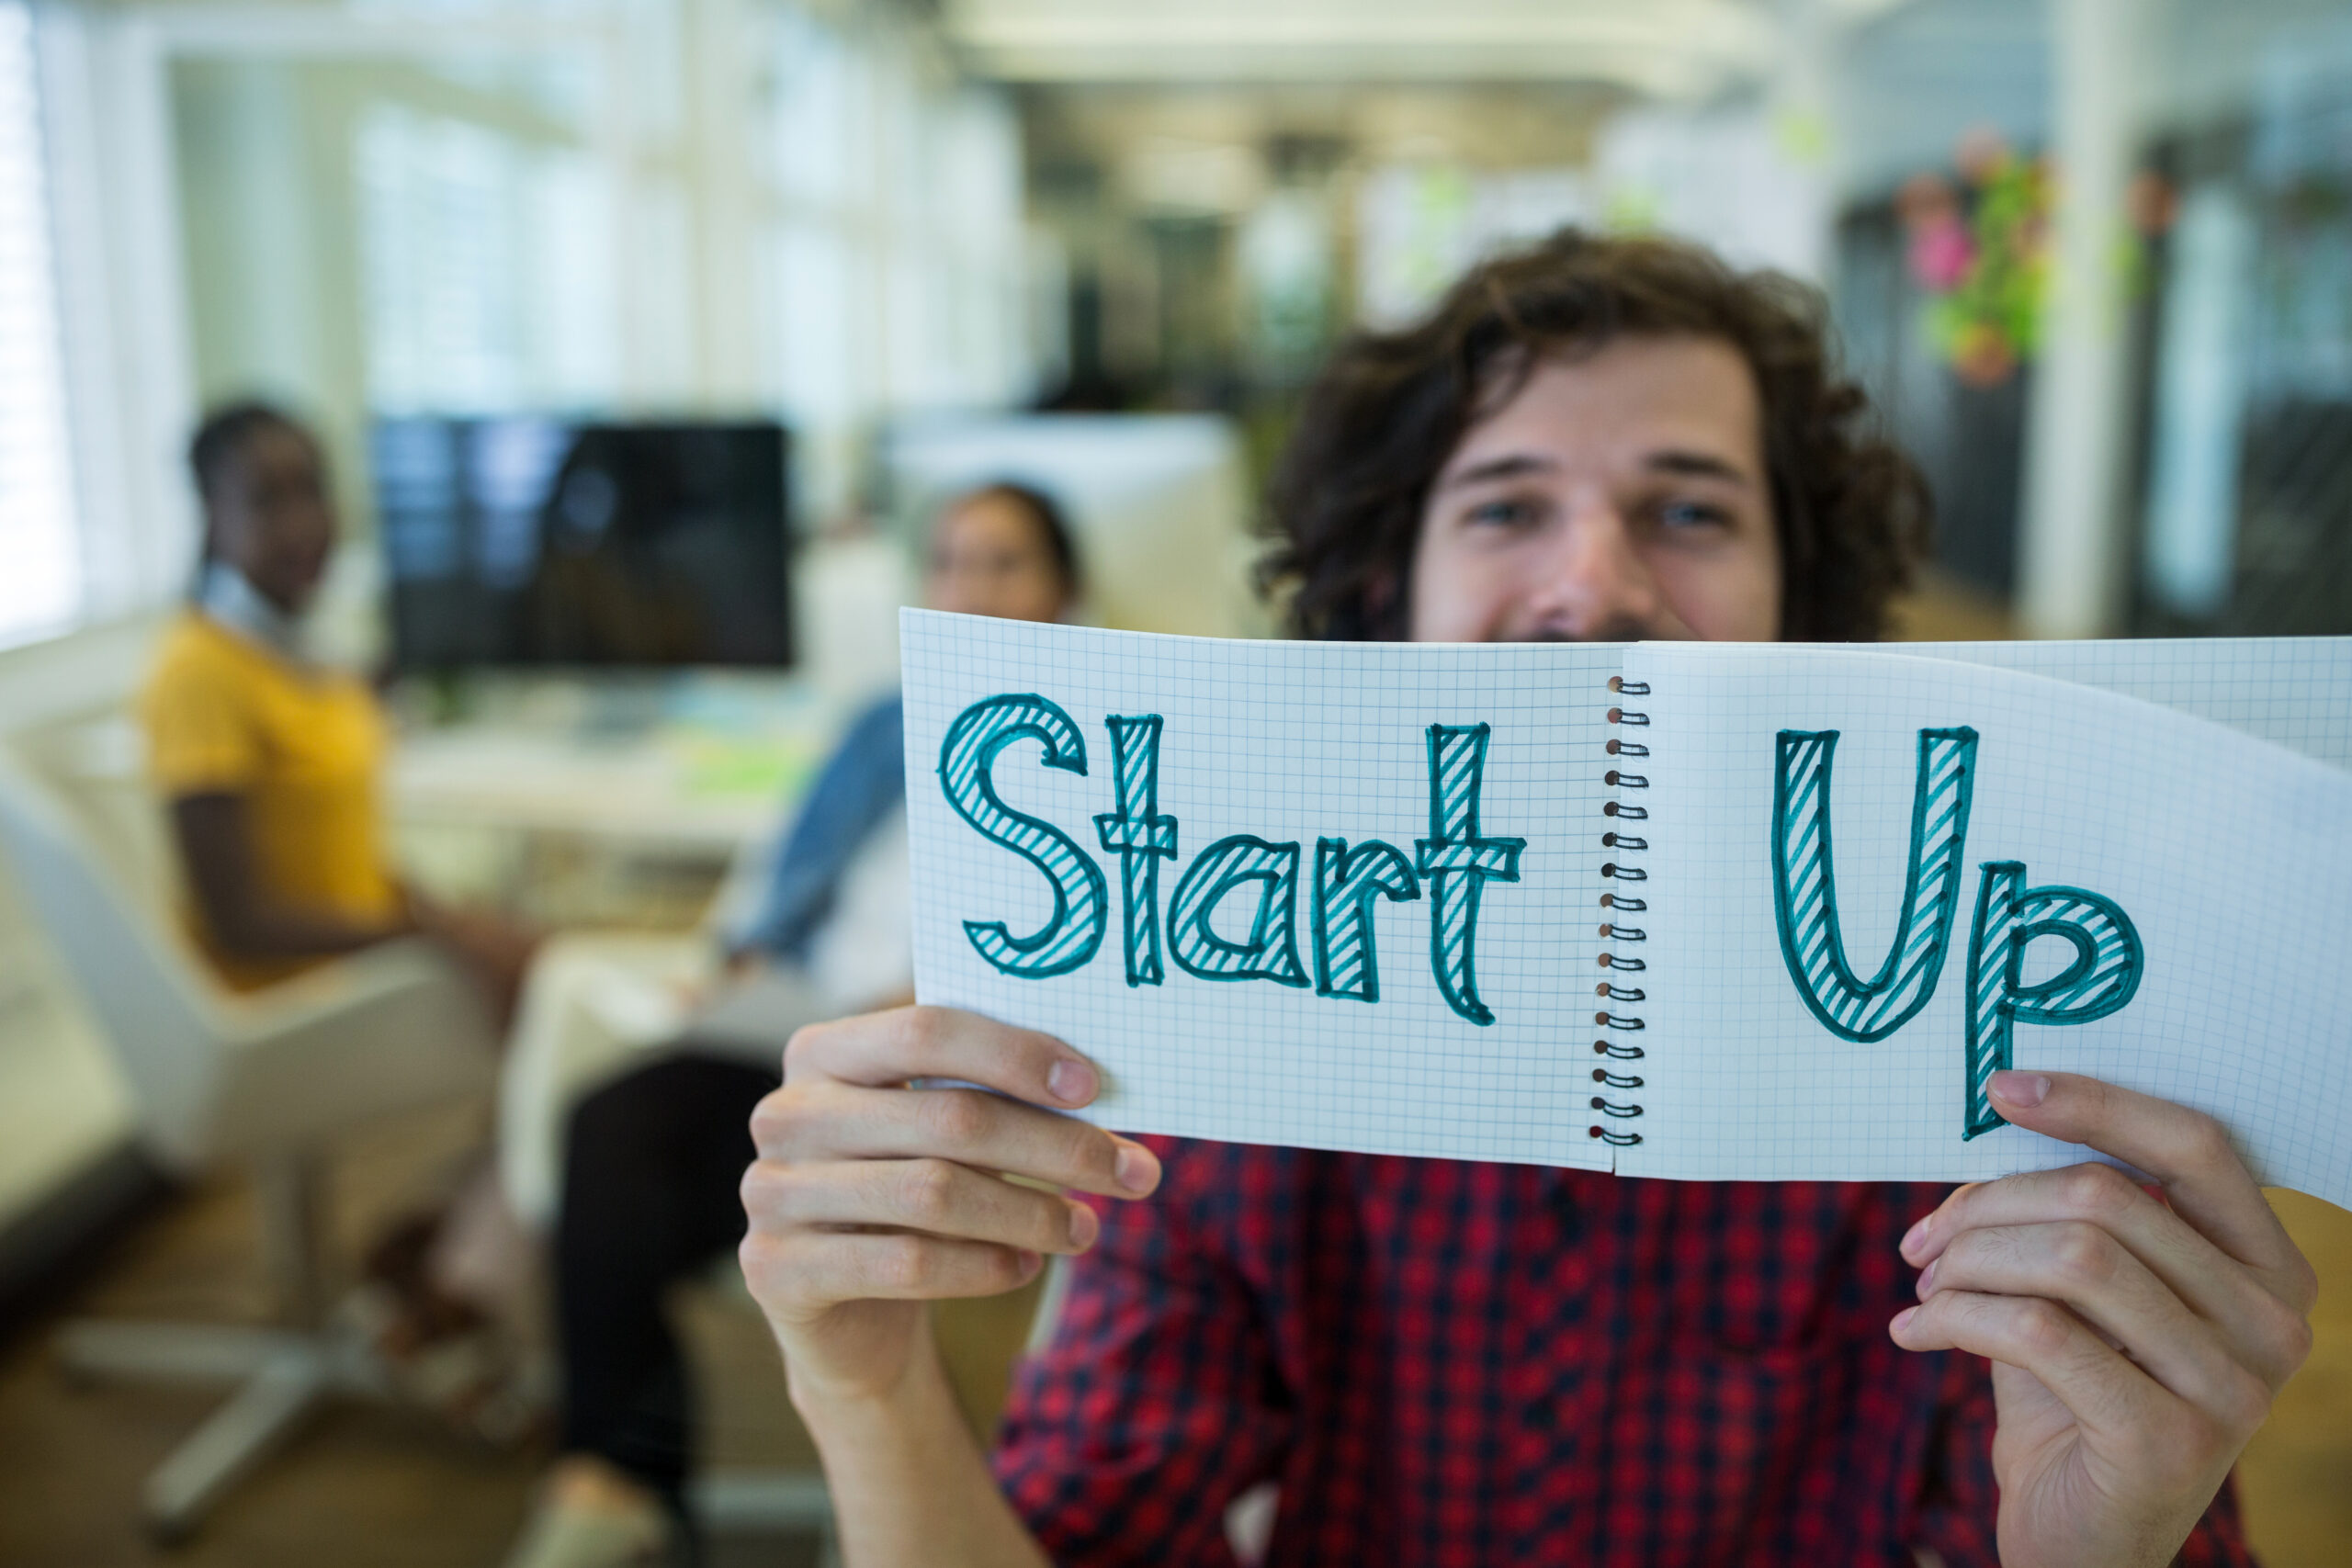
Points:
x=41, y=591
x=487, y=261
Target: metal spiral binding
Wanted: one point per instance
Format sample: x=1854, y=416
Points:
x=1612, y=992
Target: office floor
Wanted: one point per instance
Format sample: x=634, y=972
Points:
x=362, y=1486
x=368, y=1486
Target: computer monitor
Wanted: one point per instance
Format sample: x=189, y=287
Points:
x=525, y=541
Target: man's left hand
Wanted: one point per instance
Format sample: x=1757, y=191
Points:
x=2138, y=1341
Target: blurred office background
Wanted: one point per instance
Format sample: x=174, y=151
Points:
x=2093, y=257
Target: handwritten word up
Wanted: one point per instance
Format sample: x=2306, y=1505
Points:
x=2100, y=977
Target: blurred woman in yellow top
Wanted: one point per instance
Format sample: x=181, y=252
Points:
x=271, y=763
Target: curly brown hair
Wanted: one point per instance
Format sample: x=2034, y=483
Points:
x=1346, y=500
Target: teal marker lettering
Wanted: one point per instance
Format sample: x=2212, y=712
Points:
x=1805, y=882
x=1459, y=862
x=967, y=760
x=1140, y=837
x=2100, y=975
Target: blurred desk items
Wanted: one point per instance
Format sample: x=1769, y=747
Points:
x=267, y=1079
x=607, y=806
x=686, y=796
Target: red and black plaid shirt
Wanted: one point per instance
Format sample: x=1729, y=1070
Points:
x=1450, y=1364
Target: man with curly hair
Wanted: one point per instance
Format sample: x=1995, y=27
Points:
x=1440, y=1363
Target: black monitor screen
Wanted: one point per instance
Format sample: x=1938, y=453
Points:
x=527, y=541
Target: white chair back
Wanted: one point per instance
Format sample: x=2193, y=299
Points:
x=167, y=1041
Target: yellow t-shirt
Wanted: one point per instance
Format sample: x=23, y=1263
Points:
x=304, y=748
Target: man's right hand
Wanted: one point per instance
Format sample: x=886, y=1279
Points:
x=870, y=1197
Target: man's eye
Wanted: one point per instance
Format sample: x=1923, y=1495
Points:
x=1502, y=514
x=1689, y=514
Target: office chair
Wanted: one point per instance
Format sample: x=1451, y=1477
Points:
x=268, y=1079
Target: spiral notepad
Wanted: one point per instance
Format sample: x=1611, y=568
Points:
x=1687, y=910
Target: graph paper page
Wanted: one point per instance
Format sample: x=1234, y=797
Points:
x=2231, y=857
x=2293, y=691
x=1287, y=744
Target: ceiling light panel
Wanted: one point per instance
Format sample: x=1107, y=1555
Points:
x=1671, y=46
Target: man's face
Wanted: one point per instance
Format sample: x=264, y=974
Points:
x=1620, y=495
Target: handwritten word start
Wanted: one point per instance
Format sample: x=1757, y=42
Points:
x=1455, y=860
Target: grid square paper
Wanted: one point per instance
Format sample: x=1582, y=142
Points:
x=2232, y=857
x=2199, y=784
x=1288, y=742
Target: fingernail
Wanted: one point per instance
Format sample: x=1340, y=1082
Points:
x=1137, y=1171
x=1903, y=1319
x=1083, y=1227
x=2027, y=1090
x=1916, y=1237
x=1031, y=1262
x=1928, y=1279
x=1071, y=1082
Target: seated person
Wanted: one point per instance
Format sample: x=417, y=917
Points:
x=654, y=1158
x=1441, y=1364
x=271, y=763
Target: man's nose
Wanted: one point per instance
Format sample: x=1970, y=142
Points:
x=1595, y=585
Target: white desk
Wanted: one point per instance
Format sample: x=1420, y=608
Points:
x=570, y=824
x=660, y=791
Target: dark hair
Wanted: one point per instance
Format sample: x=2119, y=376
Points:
x=224, y=433
x=1346, y=500
x=1052, y=522
x=215, y=445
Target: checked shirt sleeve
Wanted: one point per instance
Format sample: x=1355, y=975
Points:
x=1961, y=1500
x=1155, y=1406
